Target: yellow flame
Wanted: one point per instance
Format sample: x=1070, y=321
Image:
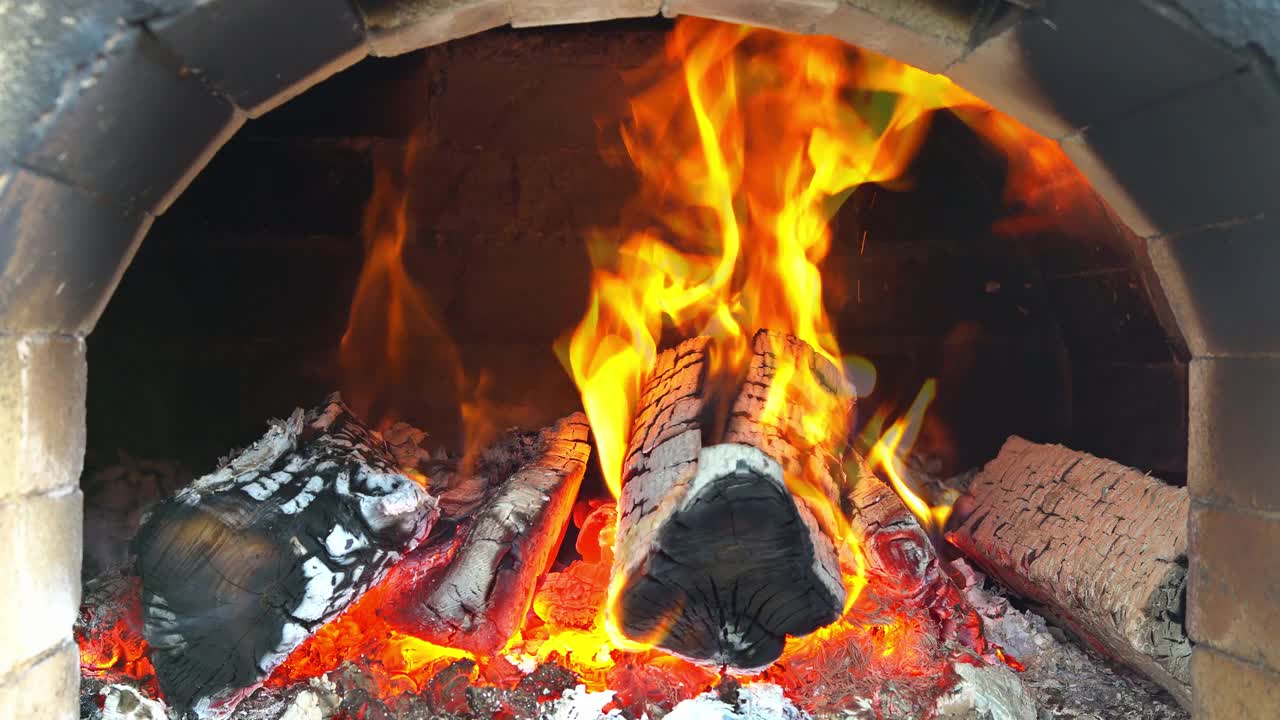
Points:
x=744, y=154
x=888, y=452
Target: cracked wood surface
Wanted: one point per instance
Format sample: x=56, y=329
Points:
x=1100, y=546
x=241, y=566
x=902, y=562
x=479, y=599
x=720, y=560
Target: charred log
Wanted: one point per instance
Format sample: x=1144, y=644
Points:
x=242, y=565
x=479, y=599
x=1100, y=547
x=719, y=560
x=458, y=490
x=903, y=569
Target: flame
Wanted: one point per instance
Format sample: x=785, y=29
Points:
x=395, y=338
x=1042, y=185
x=887, y=455
x=744, y=153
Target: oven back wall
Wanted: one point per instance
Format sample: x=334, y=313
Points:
x=233, y=309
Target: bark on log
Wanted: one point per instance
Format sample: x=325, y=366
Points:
x=478, y=601
x=1101, y=547
x=719, y=561
x=245, y=563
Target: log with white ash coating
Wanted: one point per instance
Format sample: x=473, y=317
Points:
x=241, y=566
x=479, y=599
x=1095, y=545
x=718, y=560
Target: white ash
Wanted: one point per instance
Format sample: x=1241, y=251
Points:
x=990, y=692
x=318, y=702
x=758, y=701
x=579, y=704
x=1062, y=678
x=124, y=702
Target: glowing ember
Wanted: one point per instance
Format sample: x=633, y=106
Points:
x=745, y=150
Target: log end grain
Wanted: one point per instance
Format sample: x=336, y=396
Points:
x=734, y=570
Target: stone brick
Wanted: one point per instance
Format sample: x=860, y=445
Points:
x=924, y=35
x=48, y=690
x=62, y=253
x=236, y=46
x=1196, y=158
x=1096, y=60
x=1225, y=688
x=1234, y=434
x=134, y=128
x=42, y=431
x=1121, y=199
x=541, y=106
x=531, y=13
x=41, y=46
x=41, y=565
x=470, y=195
x=571, y=192
x=400, y=26
x=997, y=72
x=1221, y=284
x=799, y=16
x=1234, y=582
x=529, y=288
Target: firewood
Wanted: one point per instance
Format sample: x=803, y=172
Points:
x=718, y=560
x=241, y=566
x=479, y=599
x=903, y=569
x=1099, y=547
x=458, y=490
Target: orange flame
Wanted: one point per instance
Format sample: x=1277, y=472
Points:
x=887, y=455
x=396, y=338
x=744, y=154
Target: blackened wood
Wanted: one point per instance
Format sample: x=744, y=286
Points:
x=478, y=601
x=1100, y=547
x=241, y=566
x=719, y=560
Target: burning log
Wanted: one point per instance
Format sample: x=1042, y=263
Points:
x=245, y=563
x=1102, y=548
x=903, y=568
x=479, y=599
x=717, y=559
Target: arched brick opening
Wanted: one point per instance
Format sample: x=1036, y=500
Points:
x=108, y=109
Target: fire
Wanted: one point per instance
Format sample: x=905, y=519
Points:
x=396, y=345
x=1041, y=184
x=745, y=150
x=887, y=456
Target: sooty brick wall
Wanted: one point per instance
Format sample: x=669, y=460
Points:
x=234, y=306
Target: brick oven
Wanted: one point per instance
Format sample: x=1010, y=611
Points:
x=1146, y=337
